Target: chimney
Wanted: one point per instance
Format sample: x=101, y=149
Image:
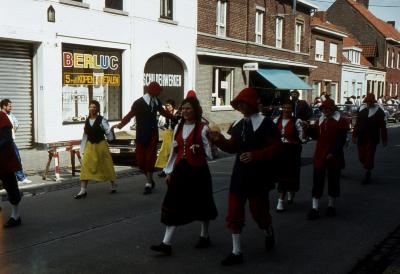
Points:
x=363, y=2
x=321, y=15
x=393, y=23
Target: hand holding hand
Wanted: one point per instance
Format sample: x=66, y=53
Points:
x=214, y=135
x=246, y=157
x=116, y=126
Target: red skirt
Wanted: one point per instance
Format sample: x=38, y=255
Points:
x=366, y=153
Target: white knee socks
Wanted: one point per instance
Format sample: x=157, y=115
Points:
x=237, y=245
x=169, y=232
x=315, y=203
x=15, y=212
x=204, y=229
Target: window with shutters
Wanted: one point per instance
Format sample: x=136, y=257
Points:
x=167, y=9
x=332, y=53
x=319, y=50
x=279, y=32
x=221, y=18
x=259, y=26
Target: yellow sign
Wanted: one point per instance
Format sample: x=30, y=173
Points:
x=90, y=79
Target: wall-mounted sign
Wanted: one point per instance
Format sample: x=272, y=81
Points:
x=250, y=66
x=90, y=74
x=167, y=70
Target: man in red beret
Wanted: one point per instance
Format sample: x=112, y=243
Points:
x=256, y=141
x=331, y=134
x=9, y=164
x=369, y=129
x=145, y=110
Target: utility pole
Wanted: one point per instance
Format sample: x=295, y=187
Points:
x=294, y=7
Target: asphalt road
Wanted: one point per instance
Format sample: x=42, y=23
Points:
x=112, y=233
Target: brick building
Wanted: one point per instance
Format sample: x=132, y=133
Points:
x=371, y=31
x=250, y=43
x=326, y=55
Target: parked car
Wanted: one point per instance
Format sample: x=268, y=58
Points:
x=122, y=149
x=392, y=112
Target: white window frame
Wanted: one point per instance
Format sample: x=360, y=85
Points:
x=392, y=59
x=221, y=18
x=299, y=33
x=398, y=60
x=319, y=56
x=333, y=52
x=279, y=32
x=390, y=89
x=165, y=6
x=387, y=57
x=336, y=85
x=259, y=26
x=214, y=93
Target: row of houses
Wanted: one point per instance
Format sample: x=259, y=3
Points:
x=56, y=55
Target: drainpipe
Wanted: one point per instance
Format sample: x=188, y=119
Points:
x=294, y=6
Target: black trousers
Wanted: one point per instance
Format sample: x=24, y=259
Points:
x=333, y=182
x=10, y=184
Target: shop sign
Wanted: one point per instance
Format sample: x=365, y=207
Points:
x=165, y=80
x=250, y=66
x=90, y=74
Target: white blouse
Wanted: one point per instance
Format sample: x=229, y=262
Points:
x=186, y=130
x=298, y=126
x=107, y=131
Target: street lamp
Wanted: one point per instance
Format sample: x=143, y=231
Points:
x=51, y=14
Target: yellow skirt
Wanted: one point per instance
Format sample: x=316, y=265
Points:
x=97, y=164
x=163, y=156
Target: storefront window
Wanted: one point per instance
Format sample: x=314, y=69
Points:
x=223, y=86
x=90, y=74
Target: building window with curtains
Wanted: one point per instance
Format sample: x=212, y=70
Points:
x=279, y=32
x=332, y=53
x=166, y=9
x=299, y=33
x=114, y=4
x=222, y=87
x=221, y=18
x=259, y=26
x=319, y=50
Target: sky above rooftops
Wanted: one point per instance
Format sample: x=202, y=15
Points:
x=386, y=10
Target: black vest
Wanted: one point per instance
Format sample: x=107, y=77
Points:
x=146, y=120
x=95, y=133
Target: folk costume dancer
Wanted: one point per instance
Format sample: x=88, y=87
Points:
x=301, y=109
x=9, y=164
x=97, y=164
x=189, y=195
x=168, y=126
x=145, y=110
x=6, y=106
x=331, y=134
x=369, y=129
x=292, y=136
x=256, y=141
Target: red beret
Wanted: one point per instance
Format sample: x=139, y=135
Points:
x=191, y=93
x=248, y=96
x=370, y=98
x=154, y=89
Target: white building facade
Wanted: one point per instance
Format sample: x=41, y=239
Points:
x=353, y=75
x=57, y=55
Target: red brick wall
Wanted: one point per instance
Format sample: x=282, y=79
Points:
x=241, y=25
x=392, y=74
x=326, y=70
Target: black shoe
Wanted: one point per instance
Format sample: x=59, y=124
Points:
x=162, y=174
x=367, y=178
x=153, y=184
x=80, y=196
x=12, y=222
x=162, y=248
x=313, y=214
x=290, y=202
x=269, y=241
x=113, y=191
x=203, y=242
x=232, y=259
x=330, y=211
x=147, y=190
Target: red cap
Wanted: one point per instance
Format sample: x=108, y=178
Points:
x=191, y=93
x=248, y=96
x=154, y=89
x=328, y=103
x=370, y=98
